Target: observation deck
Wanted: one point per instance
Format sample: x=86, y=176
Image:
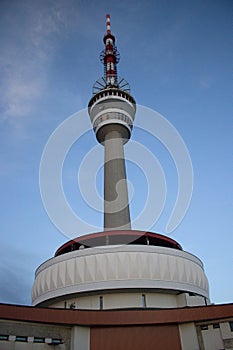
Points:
x=88, y=273
x=112, y=106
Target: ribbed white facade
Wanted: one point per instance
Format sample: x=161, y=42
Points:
x=111, y=269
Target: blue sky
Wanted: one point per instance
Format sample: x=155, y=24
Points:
x=177, y=57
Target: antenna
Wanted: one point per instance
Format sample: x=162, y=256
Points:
x=110, y=57
x=108, y=24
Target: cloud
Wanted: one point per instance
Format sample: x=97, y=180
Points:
x=206, y=82
x=15, y=287
x=27, y=48
x=15, y=270
x=19, y=96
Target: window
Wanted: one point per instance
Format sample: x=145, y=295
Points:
x=231, y=325
x=204, y=327
x=3, y=337
x=72, y=305
x=56, y=341
x=38, y=340
x=216, y=325
x=101, y=302
x=143, y=300
x=20, y=338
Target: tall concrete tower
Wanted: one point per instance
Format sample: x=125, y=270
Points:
x=119, y=267
x=112, y=110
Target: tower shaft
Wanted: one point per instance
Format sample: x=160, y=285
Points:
x=112, y=111
x=116, y=207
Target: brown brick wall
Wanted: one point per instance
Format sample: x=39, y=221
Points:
x=135, y=338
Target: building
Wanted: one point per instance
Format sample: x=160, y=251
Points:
x=120, y=288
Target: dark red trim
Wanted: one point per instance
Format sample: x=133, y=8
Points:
x=133, y=234
x=116, y=317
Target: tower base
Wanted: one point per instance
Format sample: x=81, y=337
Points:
x=121, y=276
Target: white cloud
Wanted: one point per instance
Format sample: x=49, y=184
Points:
x=27, y=48
x=206, y=82
x=32, y=34
x=19, y=96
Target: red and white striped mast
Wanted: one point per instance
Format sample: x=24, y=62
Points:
x=110, y=56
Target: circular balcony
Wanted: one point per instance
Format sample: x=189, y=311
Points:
x=112, y=106
x=119, y=267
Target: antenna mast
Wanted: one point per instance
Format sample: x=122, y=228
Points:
x=110, y=57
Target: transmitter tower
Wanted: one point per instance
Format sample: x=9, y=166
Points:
x=118, y=268
x=117, y=289
x=112, y=110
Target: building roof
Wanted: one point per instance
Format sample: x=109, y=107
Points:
x=118, y=237
x=118, y=317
